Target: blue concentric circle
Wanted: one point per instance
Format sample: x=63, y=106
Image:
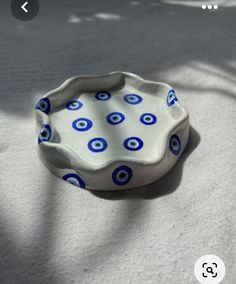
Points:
x=82, y=124
x=44, y=105
x=148, y=118
x=133, y=99
x=74, y=105
x=175, y=144
x=171, y=98
x=103, y=96
x=74, y=179
x=133, y=144
x=122, y=175
x=115, y=118
x=45, y=133
x=97, y=145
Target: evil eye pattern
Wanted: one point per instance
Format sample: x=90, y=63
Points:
x=44, y=105
x=171, y=98
x=82, y=124
x=115, y=118
x=133, y=144
x=148, y=118
x=122, y=175
x=74, y=179
x=97, y=145
x=103, y=96
x=45, y=133
x=175, y=144
x=133, y=99
x=74, y=105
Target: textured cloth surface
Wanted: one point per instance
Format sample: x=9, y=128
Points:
x=52, y=232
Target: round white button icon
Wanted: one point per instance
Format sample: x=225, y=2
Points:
x=209, y=269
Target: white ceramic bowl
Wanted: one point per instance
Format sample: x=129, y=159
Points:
x=111, y=132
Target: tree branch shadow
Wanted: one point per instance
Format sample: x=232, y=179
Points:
x=28, y=262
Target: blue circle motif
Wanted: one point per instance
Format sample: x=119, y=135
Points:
x=45, y=133
x=115, y=118
x=133, y=144
x=74, y=179
x=148, y=118
x=171, y=98
x=133, y=99
x=103, y=96
x=82, y=124
x=97, y=145
x=175, y=144
x=44, y=105
x=122, y=175
x=74, y=105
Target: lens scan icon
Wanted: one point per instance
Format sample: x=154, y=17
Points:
x=209, y=269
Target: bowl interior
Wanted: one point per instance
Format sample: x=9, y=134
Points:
x=125, y=123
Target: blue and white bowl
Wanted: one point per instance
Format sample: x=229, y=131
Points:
x=111, y=132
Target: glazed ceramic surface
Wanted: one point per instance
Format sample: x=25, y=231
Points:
x=111, y=132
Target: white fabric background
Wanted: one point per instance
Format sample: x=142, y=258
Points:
x=52, y=232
